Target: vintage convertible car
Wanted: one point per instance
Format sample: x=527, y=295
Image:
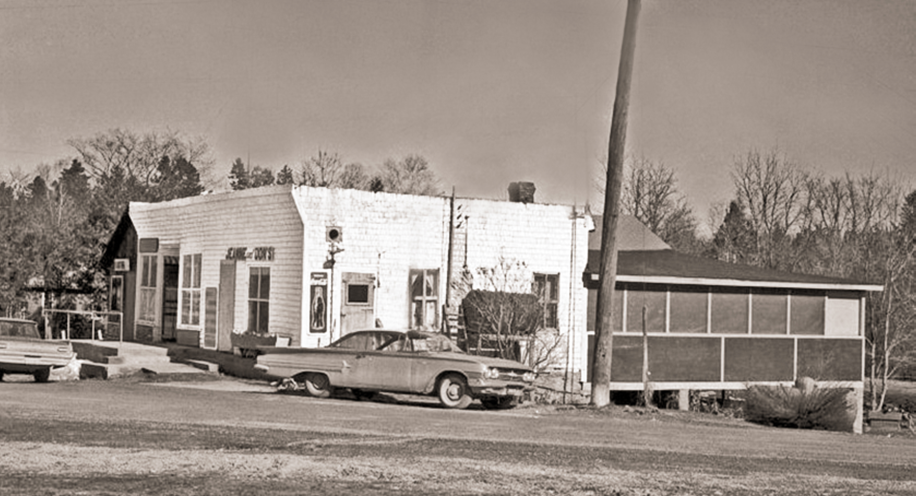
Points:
x=22, y=351
x=415, y=362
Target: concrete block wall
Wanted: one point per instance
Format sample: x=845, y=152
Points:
x=549, y=239
x=383, y=234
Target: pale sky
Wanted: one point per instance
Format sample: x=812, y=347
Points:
x=489, y=91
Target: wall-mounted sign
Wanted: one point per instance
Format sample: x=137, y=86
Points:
x=149, y=245
x=122, y=265
x=260, y=254
x=318, y=302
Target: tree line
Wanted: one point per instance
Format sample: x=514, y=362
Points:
x=56, y=223
x=784, y=216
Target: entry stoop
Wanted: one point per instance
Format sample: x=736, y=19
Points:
x=108, y=359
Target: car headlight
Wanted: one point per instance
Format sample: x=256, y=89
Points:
x=529, y=376
x=491, y=373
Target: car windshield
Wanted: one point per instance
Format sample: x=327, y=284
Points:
x=19, y=330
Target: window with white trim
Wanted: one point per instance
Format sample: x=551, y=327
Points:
x=190, y=290
x=149, y=283
x=258, y=299
x=546, y=287
x=424, y=298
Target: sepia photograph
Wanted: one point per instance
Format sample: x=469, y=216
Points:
x=457, y=247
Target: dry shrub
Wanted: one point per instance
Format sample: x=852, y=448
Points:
x=815, y=408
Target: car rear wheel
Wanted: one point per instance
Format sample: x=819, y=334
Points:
x=499, y=402
x=42, y=375
x=453, y=392
x=318, y=385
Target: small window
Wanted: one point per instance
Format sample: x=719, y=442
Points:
x=546, y=287
x=357, y=294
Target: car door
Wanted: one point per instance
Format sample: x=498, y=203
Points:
x=361, y=361
x=390, y=365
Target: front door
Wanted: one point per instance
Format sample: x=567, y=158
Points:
x=226, y=297
x=357, y=310
x=169, y=297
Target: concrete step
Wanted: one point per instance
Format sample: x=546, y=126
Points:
x=171, y=368
x=137, y=359
x=202, y=365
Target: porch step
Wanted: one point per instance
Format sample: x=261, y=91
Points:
x=108, y=359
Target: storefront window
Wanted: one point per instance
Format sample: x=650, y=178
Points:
x=190, y=290
x=259, y=300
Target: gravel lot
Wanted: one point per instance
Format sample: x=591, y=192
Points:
x=240, y=437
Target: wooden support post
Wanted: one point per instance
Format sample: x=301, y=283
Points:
x=683, y=400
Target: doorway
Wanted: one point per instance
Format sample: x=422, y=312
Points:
x=169, y=298
x=357, y=310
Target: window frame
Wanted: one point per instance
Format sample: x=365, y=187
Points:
x=148, y=293
x=550, y=301
x=259, y=300
x=189, y=312
x=419, y=304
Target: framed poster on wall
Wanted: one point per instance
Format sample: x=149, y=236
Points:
x=318, y=302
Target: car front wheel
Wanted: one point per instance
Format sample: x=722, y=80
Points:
x=318, y=385
x=453, y=392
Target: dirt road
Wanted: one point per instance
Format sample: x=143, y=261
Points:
x=229, y=436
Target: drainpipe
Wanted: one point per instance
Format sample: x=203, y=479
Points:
x=448, y=268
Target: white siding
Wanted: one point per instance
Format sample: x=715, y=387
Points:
x=211, y=224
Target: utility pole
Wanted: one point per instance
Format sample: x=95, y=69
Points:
x=604, y=327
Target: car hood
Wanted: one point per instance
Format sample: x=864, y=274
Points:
x=500, y=363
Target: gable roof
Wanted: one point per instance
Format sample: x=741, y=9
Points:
x=631, y=235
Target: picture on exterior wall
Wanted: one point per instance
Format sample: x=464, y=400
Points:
x=318, y=295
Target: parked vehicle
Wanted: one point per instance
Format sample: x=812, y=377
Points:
x=23, y=351
x=415, y=362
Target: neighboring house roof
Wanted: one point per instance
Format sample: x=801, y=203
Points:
x=631, y=235
x=671, y=267
x=643, y=257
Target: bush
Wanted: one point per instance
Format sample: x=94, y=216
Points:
x=805, y=408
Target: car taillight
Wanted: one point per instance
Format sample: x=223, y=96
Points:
x=63, y=349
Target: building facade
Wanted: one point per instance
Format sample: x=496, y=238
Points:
x=311, y=264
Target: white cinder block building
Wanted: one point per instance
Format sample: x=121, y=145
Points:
x=311, y=264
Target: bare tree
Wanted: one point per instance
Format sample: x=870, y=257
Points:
x=771, y=189
x=137, y=156
x=504, y=313
x=410, y=176
x=651, y=195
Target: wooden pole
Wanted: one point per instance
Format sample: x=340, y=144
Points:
x=601, y=370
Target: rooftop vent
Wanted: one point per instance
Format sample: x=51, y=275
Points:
x=521, y=192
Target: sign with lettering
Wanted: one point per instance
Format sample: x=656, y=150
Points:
x=258, y=254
